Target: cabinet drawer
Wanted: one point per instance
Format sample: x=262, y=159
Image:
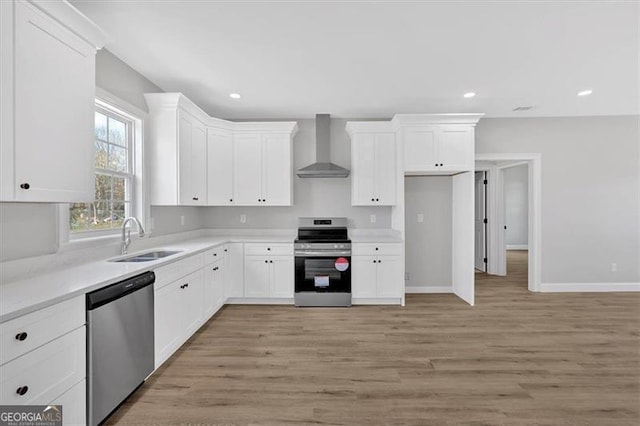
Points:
x=46, y=372
x=372, y=249
x=254, y=249
x=37, y=328
x=213, y=255
x=73, y=404
x=169, y=273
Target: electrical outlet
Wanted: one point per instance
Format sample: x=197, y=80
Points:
x=243, y=218
x=614, y=267
x=406, y=276
x=373, y=218
x=182, y=220
x=420, y=217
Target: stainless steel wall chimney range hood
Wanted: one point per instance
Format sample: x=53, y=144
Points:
x=323, y=167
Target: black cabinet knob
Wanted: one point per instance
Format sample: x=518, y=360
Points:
x=25, y=185
x=266, y=261
x=225, y=250
x=373, y=199
x=22, y=390
x=195, y=198
x=271, y=261
x=377, y=199
x=21, y=336
x=268, y=248
x=436, y=164
x=215, y=254
x=379, y=261
x=377, y=249
x=231, y=200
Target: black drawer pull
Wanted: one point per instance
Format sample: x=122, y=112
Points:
x=25, y=185
x=195, y=198
x=215, y=254
x=22, y=390
x=266, y=261
x=271, y=261
x=21, y=336
x=231, y=200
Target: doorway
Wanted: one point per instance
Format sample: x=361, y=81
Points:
x=480, y=221
x=494, y=167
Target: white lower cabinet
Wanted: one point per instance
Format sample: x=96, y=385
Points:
x=213, y=275
x=74, y=407
x=268, y=276
x=377, y=277
x=179, y=311
x=233, y=255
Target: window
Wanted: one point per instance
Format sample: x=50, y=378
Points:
x=115, y=175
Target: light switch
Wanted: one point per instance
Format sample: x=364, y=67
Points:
x=420, y=217
x=243, y=218
x=373, y=218
x=182, y=220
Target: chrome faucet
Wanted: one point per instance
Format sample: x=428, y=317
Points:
x=126, y=238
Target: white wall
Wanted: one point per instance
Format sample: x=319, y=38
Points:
x=516, y=200
x=428, y=244
x=312, y=197
x=590, y=187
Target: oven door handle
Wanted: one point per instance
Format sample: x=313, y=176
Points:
x=322, y=253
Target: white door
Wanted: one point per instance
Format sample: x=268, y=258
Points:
x=479, y=222
x=256, y=276
x=363, y=170
x=462, y=204
x=390, y=279
x=420, y=150
x=199, y=165
x=276, y=186
x=364, y=276
x=282, y=276
x=191, y=299
x=247, y=173
x=168, y=326
x=233, y=270
x=385, y=169
x=54, y=110
x=455, y=148
x=219, y=168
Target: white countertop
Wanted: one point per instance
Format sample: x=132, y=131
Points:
x=24, y=296
x=20, y=297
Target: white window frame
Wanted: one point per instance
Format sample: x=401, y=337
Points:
x=139, y=206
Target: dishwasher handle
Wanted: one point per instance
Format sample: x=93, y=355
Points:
x=100, y=297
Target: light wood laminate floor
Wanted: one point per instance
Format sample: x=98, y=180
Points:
x=516, y=358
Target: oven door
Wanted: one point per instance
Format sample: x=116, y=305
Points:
x=329, y=274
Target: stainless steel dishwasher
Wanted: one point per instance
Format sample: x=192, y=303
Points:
x=119, y=343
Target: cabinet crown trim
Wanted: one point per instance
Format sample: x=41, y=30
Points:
x=368, y=127
x=159, y=101
x=400, y=120
x=70, y=17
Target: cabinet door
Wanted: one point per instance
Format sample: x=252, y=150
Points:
x=219, y=168
x=256, y=276
x=363, y=166
x=192, y=143
x=385, y=169
x=168, y=322
x=74, y=406
x=233, y=270
x=282, y=276
x=420, y=148
x=213, y=288
x=277, y=170
x=191, y=303
x=247, y=173
x=54, y=110
x=199, y=165
x=456, y=148
x=363, y=276
x=390, y=279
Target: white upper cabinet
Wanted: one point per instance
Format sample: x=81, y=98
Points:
x=437, y=143
x=373, y=164
x=47, y=92
x=201, y=160
x=219, y=167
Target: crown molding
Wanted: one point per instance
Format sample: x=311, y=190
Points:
x=400, y=120
x=368, y=127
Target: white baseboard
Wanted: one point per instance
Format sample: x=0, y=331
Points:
x=376, y=301
x=517, y=247
x=259, y=301
x=587, y=287
x=428, y=289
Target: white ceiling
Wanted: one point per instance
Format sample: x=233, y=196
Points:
x=375, y=59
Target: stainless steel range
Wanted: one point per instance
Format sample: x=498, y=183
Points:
x=323, y=263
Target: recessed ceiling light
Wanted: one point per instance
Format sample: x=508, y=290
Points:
x=469, y=95
x=234, y=95
x=585, y=93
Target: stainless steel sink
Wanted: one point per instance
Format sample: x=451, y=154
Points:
x=149, y=256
